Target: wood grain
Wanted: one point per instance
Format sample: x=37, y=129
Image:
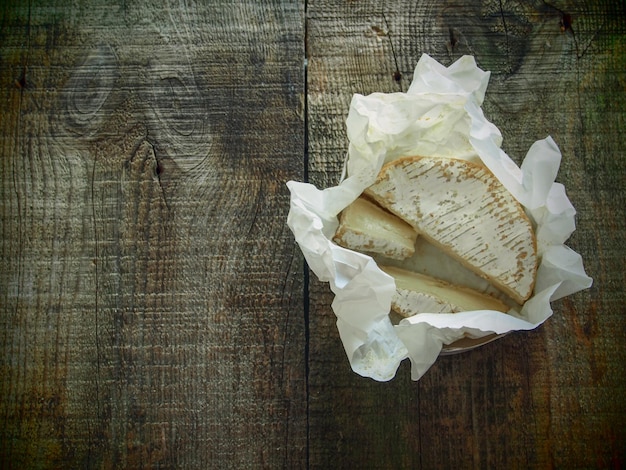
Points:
x=550, y=398
x=155, y=311
x=152, y=295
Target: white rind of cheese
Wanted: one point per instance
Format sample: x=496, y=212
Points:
x=365, y=227
x=418, y=293
x=407, y=303
x=464, y=210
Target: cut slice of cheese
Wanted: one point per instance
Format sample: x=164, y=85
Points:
x=464, y=210
x=418, y=293
x=365, y=227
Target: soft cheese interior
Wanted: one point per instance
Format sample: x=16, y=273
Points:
x=419, y=293
x=367, y=228
x=431, y=261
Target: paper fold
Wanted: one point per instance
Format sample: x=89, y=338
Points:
x=440, y=115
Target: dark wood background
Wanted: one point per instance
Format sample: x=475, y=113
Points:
x=155, y=311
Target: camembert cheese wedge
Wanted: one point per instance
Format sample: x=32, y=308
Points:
x=365, y=227
x=464, y=210
x=418, y=293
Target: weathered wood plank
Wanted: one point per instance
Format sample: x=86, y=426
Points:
x=549, y=398
x=152, y=295
x=151, y=304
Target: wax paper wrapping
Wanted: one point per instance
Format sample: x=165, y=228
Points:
x=439, y=115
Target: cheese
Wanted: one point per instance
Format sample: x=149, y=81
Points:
x=464, y=210
x=418, y=293
x=365, y=227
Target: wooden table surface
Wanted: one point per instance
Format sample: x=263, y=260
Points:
x=155, y=311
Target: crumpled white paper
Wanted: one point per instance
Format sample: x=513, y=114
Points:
x=440, y=115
